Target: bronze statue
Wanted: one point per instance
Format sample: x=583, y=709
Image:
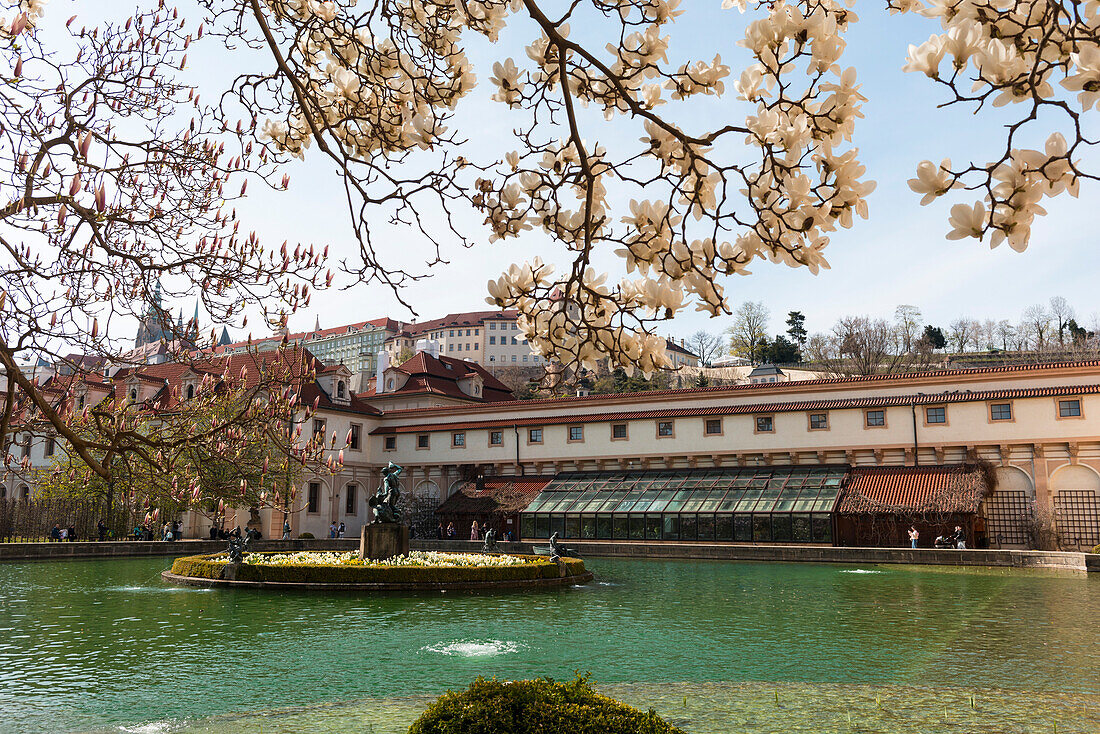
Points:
x=238, y=546
x=384, y=501
x=560, y=551
x=490, y=543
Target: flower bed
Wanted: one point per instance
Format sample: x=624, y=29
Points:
x=346, y=568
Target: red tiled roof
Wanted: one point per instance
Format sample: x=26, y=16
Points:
x=440, y=375
x=793, y=385
x=383, y=323
x=882, y=489
x=469, y=318
x=754, y=408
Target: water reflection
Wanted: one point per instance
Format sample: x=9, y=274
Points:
x=88, y=644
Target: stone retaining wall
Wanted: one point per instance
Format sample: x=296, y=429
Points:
x=588, y=549
x=129, y=548
x=798, y=554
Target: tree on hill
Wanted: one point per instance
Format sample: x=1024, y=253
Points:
x=749, y=330
x=796, y=328
x=705, y=345
x=934, y=337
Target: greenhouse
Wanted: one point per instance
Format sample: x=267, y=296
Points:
x=760, y=504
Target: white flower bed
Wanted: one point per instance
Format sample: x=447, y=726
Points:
x=351, y=558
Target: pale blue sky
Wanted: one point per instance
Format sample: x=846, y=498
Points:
x=899, y=255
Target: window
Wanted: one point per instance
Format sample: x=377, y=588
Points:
x=477, y=345
x=496, y=438
x=390, y=443
x=664, y=429
x=190, y=392
x=350, y=499
x=1069, y=408
x=319, y=428
x=933, y=416
x=713, y=427
x=423, y=441
x=514, y=327
x=525, y=358
x=353, y=437
x=514, y=340
x=819, y=421
x=513, y=358
x=80, y=402
x=534, y=435
x=341, y=390
x=450, y=346
x=25, y=449
x=133, y=395
x=618, y=431
x=313, y=497
x=875, y=418
x=492, y=327
x=492, y=340
x=458, y=439
x=765, y=424
x=51, y=445
x=467, y=332
x=1000, y=412
x=576, y=433
x=451, y=333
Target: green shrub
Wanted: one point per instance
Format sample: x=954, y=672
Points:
x=540, y=706
x=305, y=536
x=1096, y=549
x=539, y=567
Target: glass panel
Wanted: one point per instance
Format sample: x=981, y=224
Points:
x=697, y=499
x=660, y=501
x=588, y=527
x=539, y=501
x=557, y=525
x=527, y=526
x=781, y=528
x=619, y=528
x=800, y=529
x=560, y=502
x=723, y=527
x=730, y=502
x=637, y=527
x=748, y=500
x=706, y=527
x=603, y=527
x=572, y=527
x=767, y=499
x=710, y=504
x=653, y=527
x=687, y=527
x=670, y=529
x=762, y=528
x=742, y=528
x=823, y=529
x=542, y=526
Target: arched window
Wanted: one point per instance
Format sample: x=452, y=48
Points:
x=389, y=384
x=190, y=391
x=133, y=394
x=341, y=390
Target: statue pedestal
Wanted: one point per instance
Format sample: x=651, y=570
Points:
x=379, y=541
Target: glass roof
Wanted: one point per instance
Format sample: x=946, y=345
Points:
x=757, y=490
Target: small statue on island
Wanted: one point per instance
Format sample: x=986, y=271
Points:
x=238, y=546
x=560, y=551
x=384, y=501
x=490, y=543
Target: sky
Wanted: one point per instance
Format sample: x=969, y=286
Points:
x=899, y=255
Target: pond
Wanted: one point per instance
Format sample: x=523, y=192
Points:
x=93, y=646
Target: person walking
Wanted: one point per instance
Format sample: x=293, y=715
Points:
x=341, y=530
x=959, y=537
x=286, y=529
x=913, y=536
x=475, y=533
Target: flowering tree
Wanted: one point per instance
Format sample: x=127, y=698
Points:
x=373, y=87
x=232, y=440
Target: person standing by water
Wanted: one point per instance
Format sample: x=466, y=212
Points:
x=55, y=533
x=913, y=536
x=475, y=532
x=101, y=530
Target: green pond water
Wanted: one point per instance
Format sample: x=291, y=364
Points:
x=106, y=646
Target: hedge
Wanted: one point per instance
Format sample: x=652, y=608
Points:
x=539, y=567
x=540, y=706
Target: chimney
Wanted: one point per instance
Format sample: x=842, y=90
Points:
x=383, y=363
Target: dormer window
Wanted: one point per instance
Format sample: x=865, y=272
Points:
x=389, y=384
